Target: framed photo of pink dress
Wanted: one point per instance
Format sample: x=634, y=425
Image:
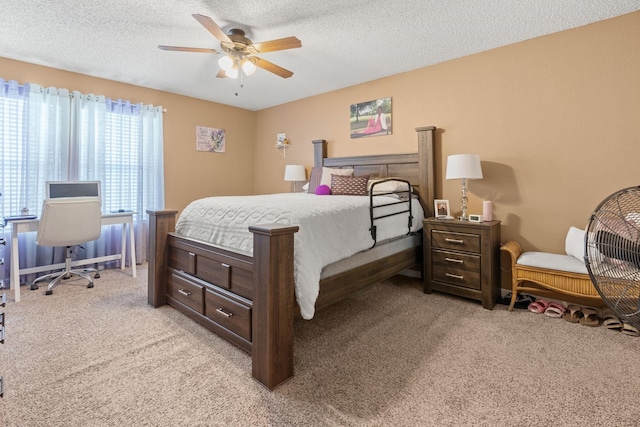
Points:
x=371, y=118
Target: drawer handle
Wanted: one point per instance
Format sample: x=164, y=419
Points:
x=225, y=265
x=455, y=276
x=459, y=261
x=224, y=313
x=183, y=292
x=459, y=241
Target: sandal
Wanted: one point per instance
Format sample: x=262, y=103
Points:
x=573, y=314
x=590, y=317
x=631, y=330
x=538, y=306
x=555, y=310
x=611, y=321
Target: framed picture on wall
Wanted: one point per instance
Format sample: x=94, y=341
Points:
x=371, y=118
x=210, y=139
x=441, y=208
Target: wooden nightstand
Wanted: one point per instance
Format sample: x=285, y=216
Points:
x=462, y=258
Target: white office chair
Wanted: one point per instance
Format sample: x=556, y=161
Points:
x=68, y=222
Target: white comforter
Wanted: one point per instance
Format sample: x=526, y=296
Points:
x=331, y=228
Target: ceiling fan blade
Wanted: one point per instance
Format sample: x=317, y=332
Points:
x=212, y=27
x=280, y=44
x=187, y=49
x=222, y=74
x=271, y=67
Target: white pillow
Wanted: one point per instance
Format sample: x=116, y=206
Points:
x=574, y=243
x=327, y=172
x=387, y=187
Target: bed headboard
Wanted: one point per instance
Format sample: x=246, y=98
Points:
x=417, y=168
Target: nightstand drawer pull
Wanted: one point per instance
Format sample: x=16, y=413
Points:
x=459, y=261
x=224, y=313
x=459, y=241
x=183, y=292
x=455, y=276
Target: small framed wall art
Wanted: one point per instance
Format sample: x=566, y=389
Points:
x=210, y=139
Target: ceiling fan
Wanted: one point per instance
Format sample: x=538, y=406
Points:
x=240, y=52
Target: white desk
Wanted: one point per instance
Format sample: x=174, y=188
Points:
x=27, y=225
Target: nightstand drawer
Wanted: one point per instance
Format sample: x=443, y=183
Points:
x=455, y=260
x=228, y=313
x=456, y=241
x=467, y=279
x=187, y=292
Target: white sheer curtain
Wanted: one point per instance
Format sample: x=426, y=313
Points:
x=119, y=144
x=35, y=154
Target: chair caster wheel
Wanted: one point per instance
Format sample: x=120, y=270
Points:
x=49, y=292
x=90, y=285
x=96, y=276
x=34, y=286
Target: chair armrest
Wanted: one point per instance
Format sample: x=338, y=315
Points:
x=514, y=249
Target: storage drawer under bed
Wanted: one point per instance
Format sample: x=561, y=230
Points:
x=218, y=305
x=225, y=271
x=228, y=313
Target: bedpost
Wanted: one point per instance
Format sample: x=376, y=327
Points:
x=273, y=303
x=319, y=152
x=426, y=189
x=161, y=222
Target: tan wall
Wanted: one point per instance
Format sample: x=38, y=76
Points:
x=189, y=174
x=555, y=120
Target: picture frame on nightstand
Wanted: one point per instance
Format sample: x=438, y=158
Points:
x=441, y=208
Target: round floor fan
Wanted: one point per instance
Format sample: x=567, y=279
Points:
x=612, y=253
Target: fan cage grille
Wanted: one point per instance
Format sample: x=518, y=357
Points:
x=612, y=253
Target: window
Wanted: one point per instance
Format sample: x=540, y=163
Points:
x=49, y=134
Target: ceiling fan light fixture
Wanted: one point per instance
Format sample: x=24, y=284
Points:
x=232, y=73
x=226, y=63
x=248, y=67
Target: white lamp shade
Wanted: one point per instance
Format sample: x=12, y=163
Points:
x=232, y=73
x=226, y=63
x=461, y=166
x=248, y=67
x=295, y=173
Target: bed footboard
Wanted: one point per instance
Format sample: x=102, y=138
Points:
x=191, y=276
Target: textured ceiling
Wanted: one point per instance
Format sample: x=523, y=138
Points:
x=343, y=42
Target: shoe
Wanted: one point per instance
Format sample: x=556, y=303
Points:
x=611, y=321
x=573, y=314
x=555, y=310
x=590, y=317
x=538, y=306
x=631, y=330
x=522, y=301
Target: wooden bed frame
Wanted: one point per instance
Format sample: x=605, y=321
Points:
x=250, y=301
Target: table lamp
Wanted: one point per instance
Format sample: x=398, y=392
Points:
x=464, y=167
x=294, y=173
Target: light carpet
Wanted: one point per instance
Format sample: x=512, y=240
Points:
x=389, y=355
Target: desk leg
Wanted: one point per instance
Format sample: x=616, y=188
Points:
x=123, y=245
x=132, y=245
x=14, y=283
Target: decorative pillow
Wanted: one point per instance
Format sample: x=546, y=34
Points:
x=323, y=190
x=387, y=186
x=574, y=243
x=327, y=172
x=349, y=185
x=314, y=180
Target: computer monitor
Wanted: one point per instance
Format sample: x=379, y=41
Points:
x=57, y=189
